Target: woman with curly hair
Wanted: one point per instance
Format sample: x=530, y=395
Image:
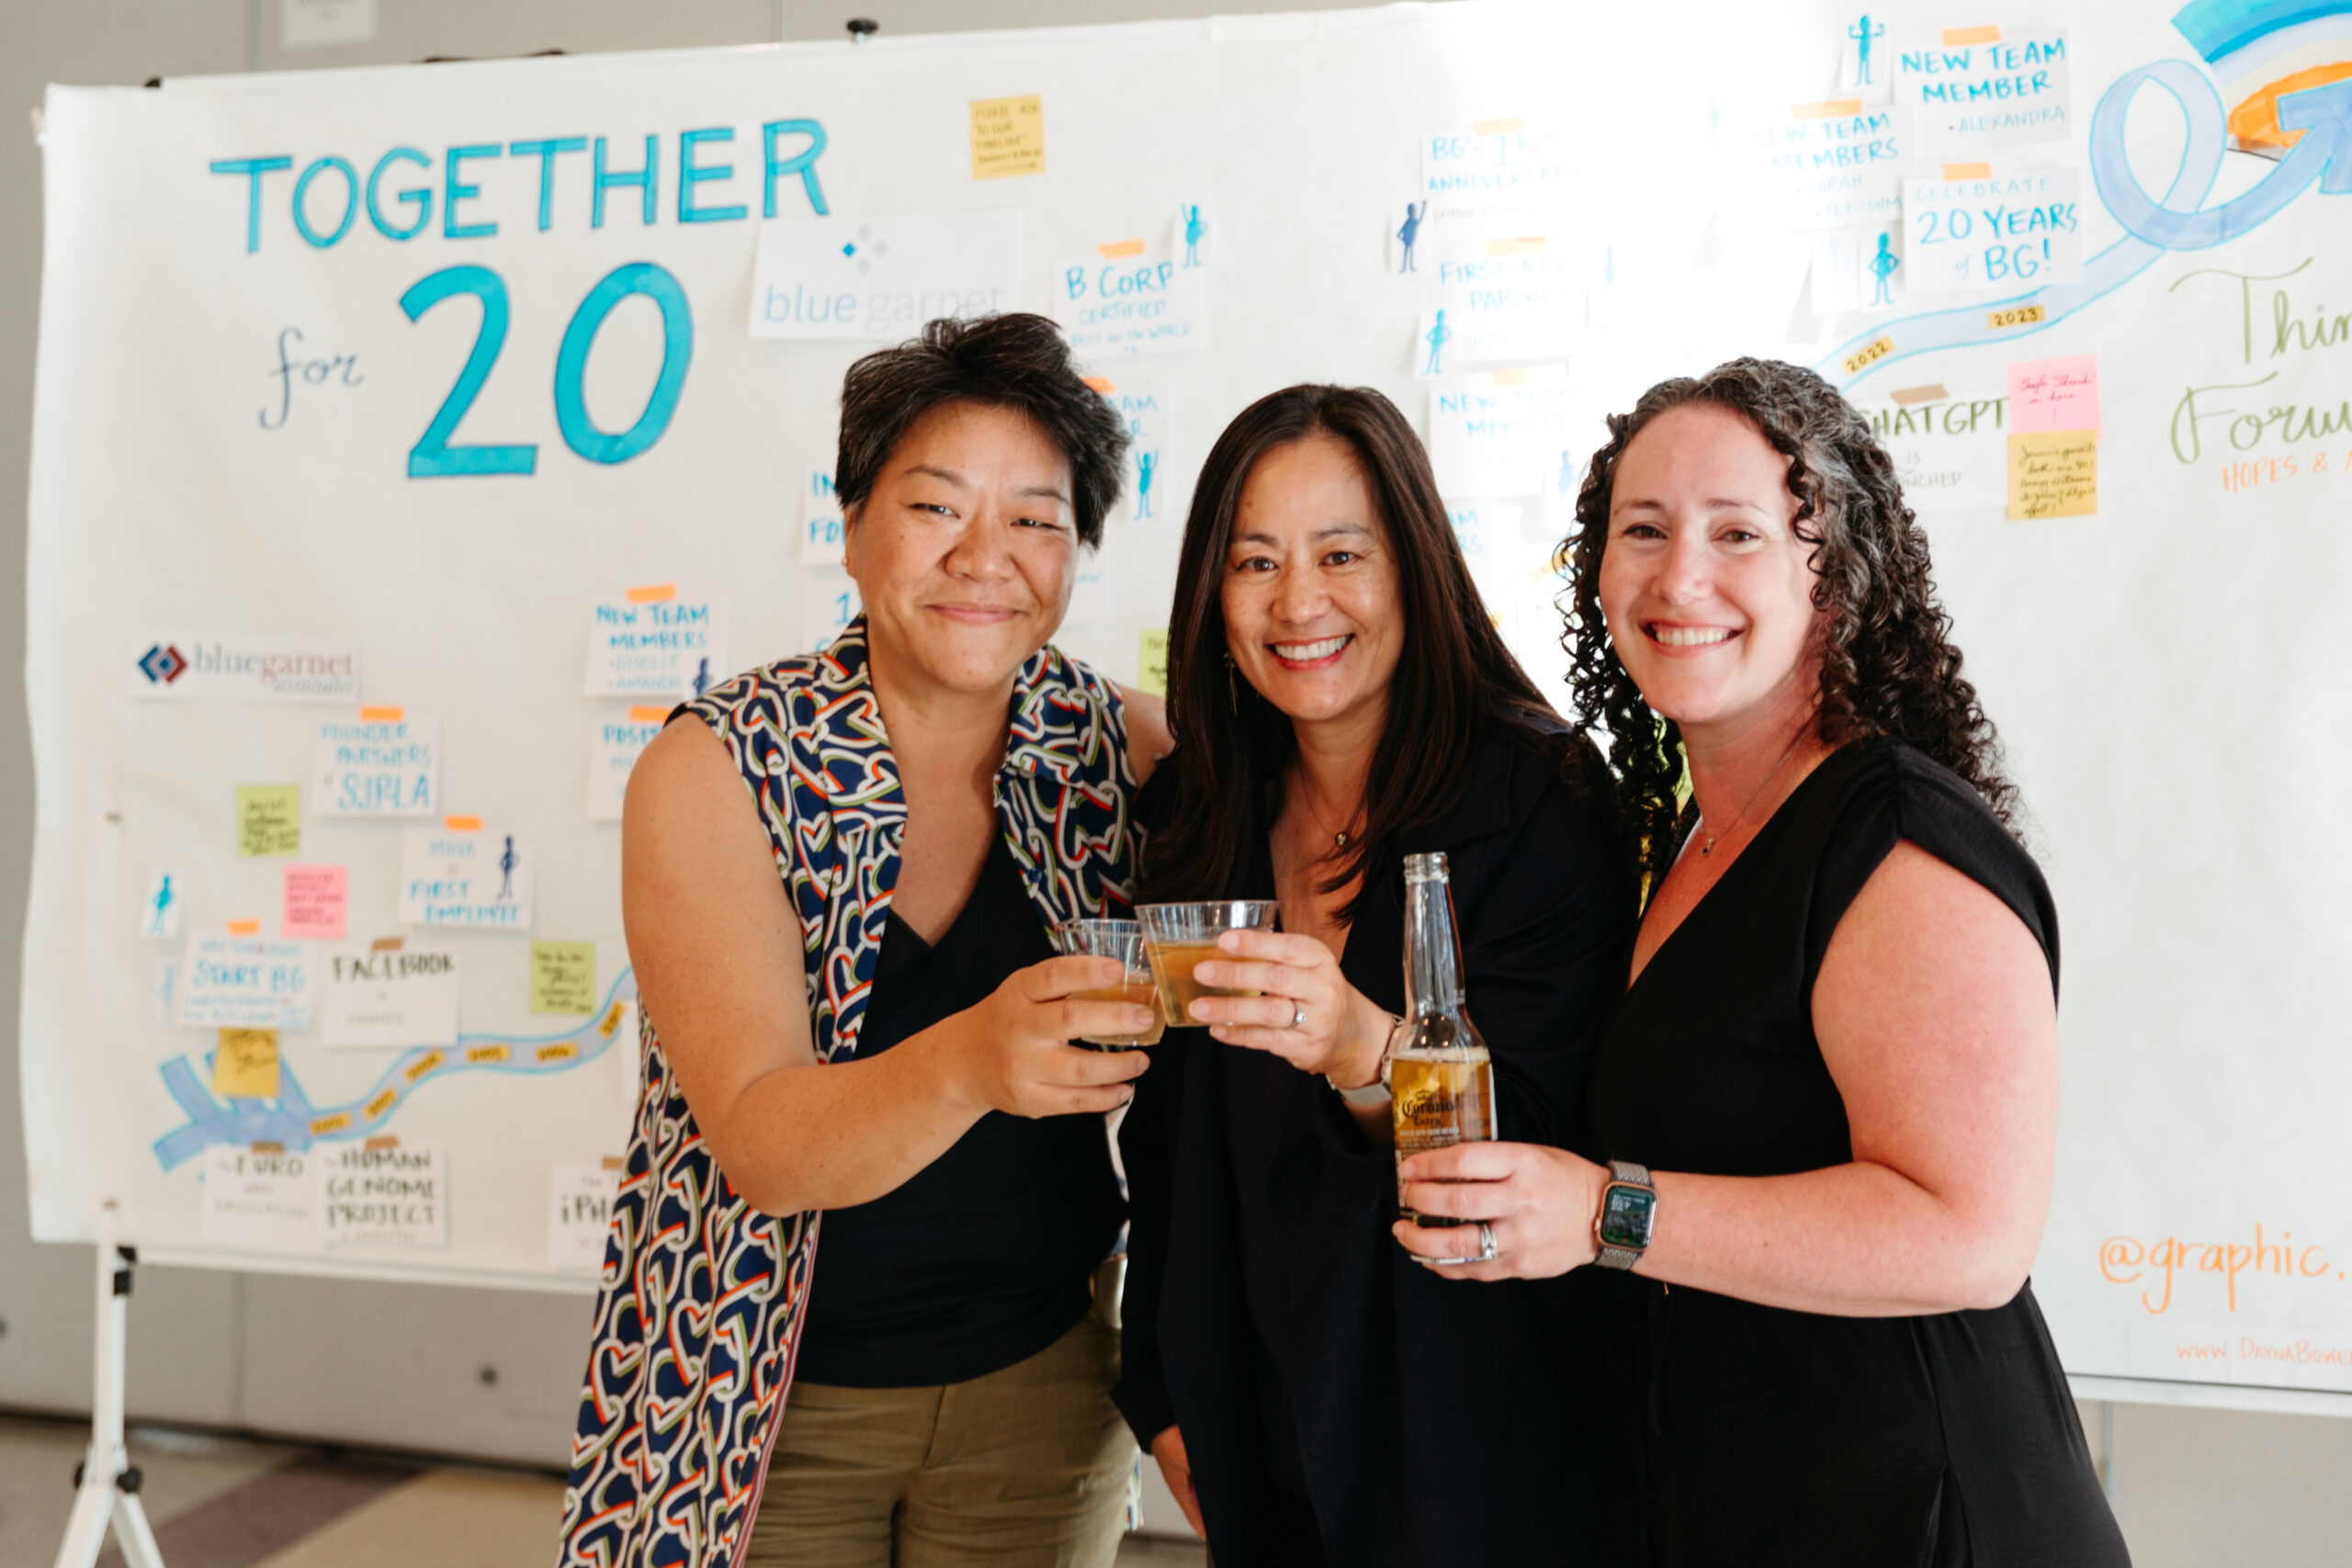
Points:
x=1830, y=1088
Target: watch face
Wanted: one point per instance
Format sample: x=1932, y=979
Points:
x=1625, y=1214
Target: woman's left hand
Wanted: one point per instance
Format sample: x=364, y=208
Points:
x=1538, y=1201
x=1306, y=1012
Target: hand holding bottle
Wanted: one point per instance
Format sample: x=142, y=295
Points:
x=1305, y=1012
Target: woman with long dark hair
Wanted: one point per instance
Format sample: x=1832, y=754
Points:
x=1828, y=1095
x=1340, y=700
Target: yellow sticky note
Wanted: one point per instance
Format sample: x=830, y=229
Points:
x=245, y=1064
x=1008, y=137
x=269, y=819
x=563, y=977
x=1152, y=663
x=2054, y=473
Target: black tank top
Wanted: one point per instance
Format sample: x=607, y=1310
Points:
x=1769, y=1437
x=987, y=1255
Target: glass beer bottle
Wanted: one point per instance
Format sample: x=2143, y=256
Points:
x=1440, y=1078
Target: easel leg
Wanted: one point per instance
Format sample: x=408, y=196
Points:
x=110, y=1485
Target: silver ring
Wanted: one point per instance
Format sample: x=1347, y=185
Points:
x=1487, y=1250
x=1298, y=1011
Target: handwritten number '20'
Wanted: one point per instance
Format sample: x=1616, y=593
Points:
x=434, y=457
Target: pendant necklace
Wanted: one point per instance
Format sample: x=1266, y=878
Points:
x=1709, y=847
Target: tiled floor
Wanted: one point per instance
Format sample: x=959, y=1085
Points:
x=227, y=1503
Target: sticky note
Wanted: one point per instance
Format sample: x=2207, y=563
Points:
x=2054, y=394
x=2053, y=474
x=375, y=996
x=258, y=1200
x=269, y=819
x=315, y=897
x=1008, y=137
x=580, y=1207
x=1151, y=661
x=563, y=977
x=159, y=909
x=245, y=1064
x=386, y=1197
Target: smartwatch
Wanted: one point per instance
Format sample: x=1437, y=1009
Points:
x=1376, y=1091
x=1628, y=1215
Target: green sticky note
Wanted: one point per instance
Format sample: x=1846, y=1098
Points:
x=563, y=977
x=1151, y=665
x=269, y=819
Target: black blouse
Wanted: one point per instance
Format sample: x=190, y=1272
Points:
x=1766, y=1436
x=1430, y=1421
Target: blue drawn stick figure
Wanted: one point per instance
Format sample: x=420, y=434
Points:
x=1410, y=232
x=156, y=925
x=1146, y=462
x=1191, y=236
x=1440, y=335
x=702, y=677
x=1863, y=32
x=1883, y=267
x=1568, y=479
x=506, y=865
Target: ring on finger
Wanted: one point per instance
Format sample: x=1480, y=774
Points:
x=1298, y=1012
x=1487, y=1250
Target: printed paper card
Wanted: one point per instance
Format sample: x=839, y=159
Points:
x=1950, y=453
x=822, y=530
x=1978, y=232
x=262, y=1201
x=1493, y=179
x=245, y=981
x=383, y=763
x=872, y=278
x=385, y=1197
x=1130, y=298
x=1977, y=90
x=459, y=872
x=580, y=1210
x=654, y=642
x=388, y=997
x=1148, y=413
x=1820, y=165
x=1506, y=432
x=828, y=602
x=1858, y=269
x=314, y=900
x=614, y=742
x=1520, y=300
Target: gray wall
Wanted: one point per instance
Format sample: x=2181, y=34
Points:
x=468, y=1372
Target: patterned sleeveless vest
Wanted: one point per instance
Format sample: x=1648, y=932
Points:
x=699, y=1311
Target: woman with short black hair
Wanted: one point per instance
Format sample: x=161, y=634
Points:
x=838, y=889
x=1342, y=700
x=1829, y=1093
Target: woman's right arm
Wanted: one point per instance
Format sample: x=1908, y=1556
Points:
x=716, y=947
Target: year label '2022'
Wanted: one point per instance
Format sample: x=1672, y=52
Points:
x=435, y=457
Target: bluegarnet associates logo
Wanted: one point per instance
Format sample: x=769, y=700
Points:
x=163, y=664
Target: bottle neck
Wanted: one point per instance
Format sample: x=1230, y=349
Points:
x=1433, y=956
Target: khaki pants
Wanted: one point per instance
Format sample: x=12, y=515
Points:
x=1029, y=1465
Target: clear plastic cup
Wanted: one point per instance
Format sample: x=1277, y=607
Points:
x=1179, y=936
x=1120, y=940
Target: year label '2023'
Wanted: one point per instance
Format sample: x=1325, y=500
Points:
x=435, y=457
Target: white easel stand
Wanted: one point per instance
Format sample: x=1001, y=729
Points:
x=107, y=1487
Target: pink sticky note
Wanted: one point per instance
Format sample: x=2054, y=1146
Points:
x=315, y=900
x=2054, y=394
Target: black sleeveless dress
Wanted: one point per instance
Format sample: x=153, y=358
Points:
x=1764, y=1436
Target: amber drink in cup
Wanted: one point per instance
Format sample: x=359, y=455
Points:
x=1123, y=942
x=1182, y=936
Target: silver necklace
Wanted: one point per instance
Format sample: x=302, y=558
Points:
x=1709, y=847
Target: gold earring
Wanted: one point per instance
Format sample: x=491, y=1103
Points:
x=1232, y=691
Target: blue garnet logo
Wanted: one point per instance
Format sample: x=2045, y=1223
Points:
x=163, y=664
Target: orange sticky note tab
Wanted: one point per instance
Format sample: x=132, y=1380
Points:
x=1513, y=376
x=1502, y=127
x=1832, y=108
x=463, y=824
x=1957, y=37
x=382, y=1142
x=1525, y=245
x=652, y=594
x=1976, y=171
x=640, y=715
x=244, y=1066
x=1118, y=248
x=245, y=928
x=1101, y=384
x=381, y=716
x=1933, y=392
